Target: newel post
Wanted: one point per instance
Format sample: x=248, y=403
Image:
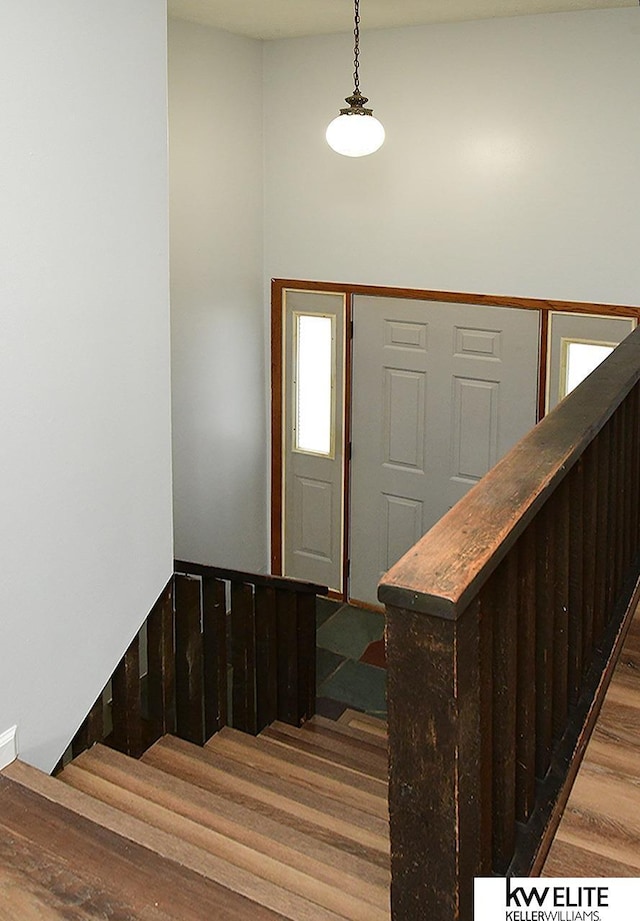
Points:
x=436, y=799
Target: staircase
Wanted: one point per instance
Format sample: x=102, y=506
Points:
x=290, y=824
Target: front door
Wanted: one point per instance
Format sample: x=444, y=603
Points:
x=440, y=392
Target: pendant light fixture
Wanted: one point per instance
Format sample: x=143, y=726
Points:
x=355, y=132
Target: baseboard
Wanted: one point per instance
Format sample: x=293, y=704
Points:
x=8, y=746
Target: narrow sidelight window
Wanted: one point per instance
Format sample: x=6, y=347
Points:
x=314, y=374
x=580, y=359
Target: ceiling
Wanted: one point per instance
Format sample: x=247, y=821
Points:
x=268, y=19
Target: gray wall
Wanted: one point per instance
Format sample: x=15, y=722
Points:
x=85, y=492
x=510, y=166
x=220, y=486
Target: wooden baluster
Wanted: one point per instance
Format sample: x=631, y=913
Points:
x=214, y=633
x=625, y=477
x=561, y=508
x=612, y=544
x=306, y=618
x=634, y=472
x=503, y=586
x=589, y=528
x=576, y=582
x=624, y=487
x=617, y=493
x=80, y=741
x=526, y=700
x=161, y=678
x=126, y=709
x=602, y=557
x=545, y=568
x=474, y=791
x=484, y=615
x=435, y=788
x=243, y=658
x=630, y=478
x=91, y=730
x=266, y=656
x=189, y=671
x=631, y=472
x=288, y=680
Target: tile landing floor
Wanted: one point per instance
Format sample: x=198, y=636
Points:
x=351, y=669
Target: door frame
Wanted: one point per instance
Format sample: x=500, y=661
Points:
x=280, y=285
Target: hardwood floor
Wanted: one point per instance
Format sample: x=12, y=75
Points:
x=599, y=834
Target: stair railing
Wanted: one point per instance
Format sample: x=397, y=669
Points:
x=503, y=626
x=271, y=627
x=220, y=647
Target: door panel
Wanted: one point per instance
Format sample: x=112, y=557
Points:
x=440, y=393
x=313, y=503
x=313, y=488
x=475, y=428
x=400, y=527
x=403, y=418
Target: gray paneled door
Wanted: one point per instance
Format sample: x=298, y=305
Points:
x=440, y=393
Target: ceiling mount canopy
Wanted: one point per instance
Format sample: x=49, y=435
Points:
x=355, y=132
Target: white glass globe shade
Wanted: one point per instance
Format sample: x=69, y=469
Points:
x=355, y=135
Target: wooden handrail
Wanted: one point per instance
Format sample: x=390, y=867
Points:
x=251, y=578
x=448, y=565
x=503, y=623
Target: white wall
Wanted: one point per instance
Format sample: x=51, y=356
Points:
x=510, y=167
x=215, y=108
x=85, y=485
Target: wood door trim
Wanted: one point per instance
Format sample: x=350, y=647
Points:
x=346, y=472
x=543, y=364
x=455, y=297
x=277, y=384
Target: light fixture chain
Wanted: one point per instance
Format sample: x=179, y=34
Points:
x=356, y=48
x=355, y=133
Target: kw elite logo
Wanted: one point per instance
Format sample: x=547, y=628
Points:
x=556, y=899
x=555, y=903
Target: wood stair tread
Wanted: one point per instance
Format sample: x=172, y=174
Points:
x=243, y=828
x=342, y=783
x=251, y=895
x=322, y=817
x=294, y=893
x=346, y=731
x=364, y=723
x=291, y=825
x=73, y=844
x=323, y=743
